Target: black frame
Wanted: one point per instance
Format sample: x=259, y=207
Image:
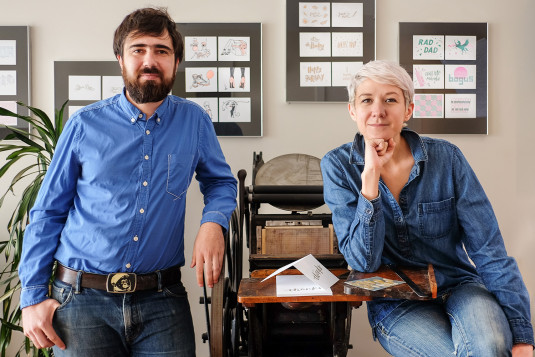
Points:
x=254, y=32
x=20, y=34
x=478, y=125
x=296, y=93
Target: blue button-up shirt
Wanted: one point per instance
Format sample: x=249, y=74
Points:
x=441, y=211
x=114, y=196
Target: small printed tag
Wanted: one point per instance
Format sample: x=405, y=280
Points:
x=374, y=283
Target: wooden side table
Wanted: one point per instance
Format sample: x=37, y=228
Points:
x=253, y=294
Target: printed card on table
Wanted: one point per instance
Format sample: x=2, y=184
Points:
x=461, y=48
x=314, y=14
x=316, y=278
x=461, y=76
x=428, y=106
x=314, y=44
x=427, y=47
x=374, y=283
x=460, y=105
x=428, y=76
x=315, y=74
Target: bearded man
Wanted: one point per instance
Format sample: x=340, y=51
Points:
x=112, y=205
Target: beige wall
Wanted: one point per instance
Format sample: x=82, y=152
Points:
x=82, y=30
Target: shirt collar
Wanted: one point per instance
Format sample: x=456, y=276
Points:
x=134, y=114
x=414, y=140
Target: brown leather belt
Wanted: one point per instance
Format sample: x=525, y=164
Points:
x=120, y=282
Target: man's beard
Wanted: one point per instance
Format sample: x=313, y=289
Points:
x=149, y=91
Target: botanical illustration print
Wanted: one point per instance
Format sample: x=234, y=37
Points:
x=314, y=14
x=461, y=48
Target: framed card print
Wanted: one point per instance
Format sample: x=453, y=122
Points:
x=222, y=72
x=448, y=63
x=326, y=43
x=14, y=75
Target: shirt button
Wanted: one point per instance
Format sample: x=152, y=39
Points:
x=145, y=183
x=128, y=265
x=146, y=157
x=142, y=211
x=158, y=120
x=136, y=238
x=133, y=120
x=148, y=132
x=140, y=116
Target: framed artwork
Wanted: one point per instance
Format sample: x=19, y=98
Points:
x=14, y=74
x=449, y=66
x=222, y=72
x=85, y=82
x=326, y=44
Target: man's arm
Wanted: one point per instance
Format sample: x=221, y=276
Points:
x=208, y=252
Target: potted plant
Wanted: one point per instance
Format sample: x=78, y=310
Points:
x=38, y=143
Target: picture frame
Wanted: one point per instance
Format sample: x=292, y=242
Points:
x=449, y=66
x=85, y=82
x=326, y=43
x=222, y=72
x=14, y=75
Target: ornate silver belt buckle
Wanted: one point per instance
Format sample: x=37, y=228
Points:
x=121, y=283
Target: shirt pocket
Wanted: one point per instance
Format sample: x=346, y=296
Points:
x=178, y=174
x=436, y=219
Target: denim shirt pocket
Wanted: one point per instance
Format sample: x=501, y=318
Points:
x=178, y=174
x=436, y=219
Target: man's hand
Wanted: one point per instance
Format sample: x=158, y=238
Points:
x=522, y=350
x=208, y=250
x=37, y=324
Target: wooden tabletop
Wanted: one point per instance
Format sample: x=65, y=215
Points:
x=253, y=291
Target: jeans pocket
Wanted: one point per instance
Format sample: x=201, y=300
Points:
x=176, y=290
x=62, y=293
x=178, y=174
x=436, y=219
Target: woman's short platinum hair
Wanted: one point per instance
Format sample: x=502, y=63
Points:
x=385, y=72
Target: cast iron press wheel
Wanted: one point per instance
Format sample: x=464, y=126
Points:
x=227, y=326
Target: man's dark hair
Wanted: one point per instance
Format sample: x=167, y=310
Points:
x=148, y=21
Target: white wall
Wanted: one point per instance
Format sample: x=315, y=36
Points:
x=76, y=30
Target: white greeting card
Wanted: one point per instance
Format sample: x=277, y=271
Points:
x=318, y=278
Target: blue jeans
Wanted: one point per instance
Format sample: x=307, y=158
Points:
x=467, y=322
x=146, y=323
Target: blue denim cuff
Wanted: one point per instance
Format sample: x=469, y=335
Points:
x=522, y=331
x=216, y=217
x=33, y=295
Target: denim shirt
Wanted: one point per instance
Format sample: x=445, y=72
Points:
x=442, y=214
x=114, y=196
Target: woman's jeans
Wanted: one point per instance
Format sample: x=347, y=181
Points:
x=467, y=322
x=145, y=323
